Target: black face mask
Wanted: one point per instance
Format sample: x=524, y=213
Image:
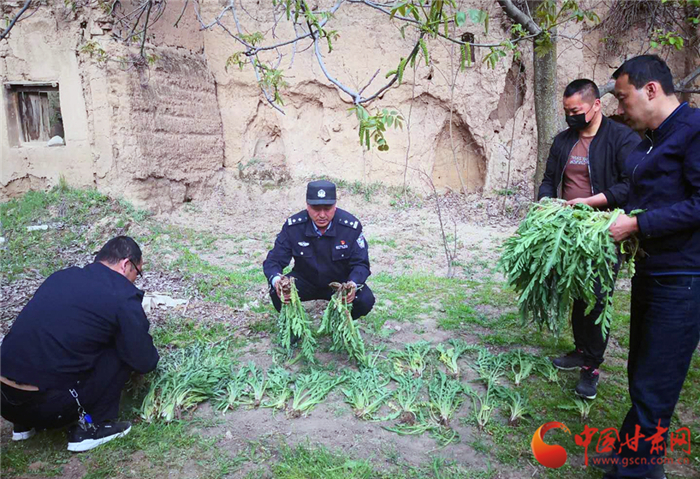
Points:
x=578, y=122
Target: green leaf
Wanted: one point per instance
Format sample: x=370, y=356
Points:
x=460, y=18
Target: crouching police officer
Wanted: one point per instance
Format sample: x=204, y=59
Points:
x=328, y=246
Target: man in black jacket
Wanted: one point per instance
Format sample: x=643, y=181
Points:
x=665, y=308
x=327, y=245
x=72, y=348
x=586, y=165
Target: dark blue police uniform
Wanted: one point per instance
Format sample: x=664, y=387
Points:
x=339, y=254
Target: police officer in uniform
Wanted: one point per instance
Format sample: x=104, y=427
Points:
x=327, y=245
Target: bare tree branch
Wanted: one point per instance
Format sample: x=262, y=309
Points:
x=145, y=27
x=689, y=79
x=607, y=88
x=14, y=20
x=182, y=13
x=519, y=16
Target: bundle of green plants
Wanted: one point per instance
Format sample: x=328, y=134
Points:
x=278, y=390
x=337, y=321
x=412, y=359
x=310, y=389
x=450, y=355
x=445, y=398
x=366, y=392
x=186, y=377
x=558, y=254
x=293, y=323
x=518, y=406
x=406, y=399
x=522, y=364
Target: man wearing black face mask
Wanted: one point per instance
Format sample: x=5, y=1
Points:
x=586, y=164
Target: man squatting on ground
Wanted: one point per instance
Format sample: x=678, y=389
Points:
x=586, y=164
x=73, y=347
x=327, y=245
x=664, y=173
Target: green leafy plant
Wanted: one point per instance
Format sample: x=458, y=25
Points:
x=185, y=378
x=449, y=356
x=411, y=359
x=557, y=255
x=581, y=405
x=278, y=390
x=95, y=50
x=310, y=389
x=522, y=365
x=548, y=370
x=337, y=321
x=373, y=127
x=661, y=38
x=517, y=406
x=490, y=368
x=257, y=383
x=294, y=323
x=367, y=392
x=445, y=398
x=406, y=397
x=234, y=391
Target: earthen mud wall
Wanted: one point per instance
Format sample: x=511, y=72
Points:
x=170, y=132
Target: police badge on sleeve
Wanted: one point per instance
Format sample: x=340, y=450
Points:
x=361, y=241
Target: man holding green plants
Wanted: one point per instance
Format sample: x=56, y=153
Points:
x=586, y=165
x=327, y=245
x=665, y=307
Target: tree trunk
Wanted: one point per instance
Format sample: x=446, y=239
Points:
x=691, y=53
x=546, y=108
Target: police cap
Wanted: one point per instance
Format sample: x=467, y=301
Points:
x=320, y=193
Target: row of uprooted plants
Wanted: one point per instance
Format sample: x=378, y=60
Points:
x=413, y=390
x=557, y=255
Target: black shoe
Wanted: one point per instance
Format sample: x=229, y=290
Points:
x=571, y=361
x=587, y=386
x=22, y=433
x=80, y=440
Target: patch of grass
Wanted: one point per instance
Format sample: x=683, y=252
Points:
x=264, y=325
x=459, y=313
x=148, y=451
x=181, y=332
x=216, y=283
x=44, y=456
x=154, y=450
x=76, y=220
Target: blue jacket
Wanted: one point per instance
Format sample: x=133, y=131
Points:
x=339, y=255
x=664, y=173
x=73, y=317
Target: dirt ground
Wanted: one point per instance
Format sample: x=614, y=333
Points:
x=233, y=232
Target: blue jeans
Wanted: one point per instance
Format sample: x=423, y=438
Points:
x=664, y=333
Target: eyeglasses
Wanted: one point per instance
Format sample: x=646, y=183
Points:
x=136, y=267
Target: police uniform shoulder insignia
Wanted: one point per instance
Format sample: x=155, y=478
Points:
x=361, y=241
x=297, y=219
x=346, y=219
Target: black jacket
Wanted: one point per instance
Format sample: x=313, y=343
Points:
x=608, y=152
x=339, y=255
x=665, y=182
x=73, y=317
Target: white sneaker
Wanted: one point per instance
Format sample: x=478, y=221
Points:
x=21, y=433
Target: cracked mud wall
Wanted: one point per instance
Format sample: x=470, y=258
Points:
x=172, y=132
x=153, y=135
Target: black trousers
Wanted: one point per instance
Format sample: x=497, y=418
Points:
x=99, y=395
x=361, y=306
x=588, y=336
x=664, y=334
